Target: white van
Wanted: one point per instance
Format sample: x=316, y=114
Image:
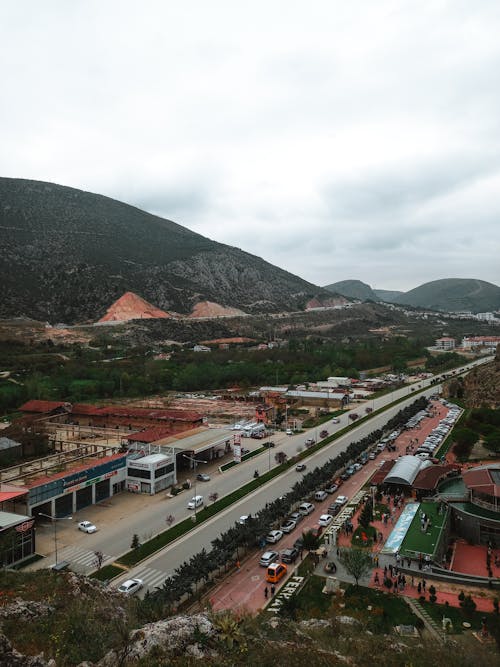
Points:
x=196, y=501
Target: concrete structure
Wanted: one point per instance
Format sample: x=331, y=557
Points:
x=324, y=399
x=445, y=343
x=150, y=474
x=17, y=538
x=474, y=342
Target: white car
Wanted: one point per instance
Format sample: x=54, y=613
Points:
x=131, y=586
x=87, y=527
x=325, y=520
x=335, y=420
x=196, y=501
x=288, y=526
x=341, y=500
x=243, y=519
x=274, y=536
x=268, y=557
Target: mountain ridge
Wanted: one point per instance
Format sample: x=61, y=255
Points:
x=73, y=253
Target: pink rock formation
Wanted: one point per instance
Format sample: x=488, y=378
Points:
x=210, y=309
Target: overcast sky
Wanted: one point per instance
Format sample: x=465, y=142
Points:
x=335, y=139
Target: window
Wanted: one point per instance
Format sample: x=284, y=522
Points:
x=161, y=472
x=141, y=474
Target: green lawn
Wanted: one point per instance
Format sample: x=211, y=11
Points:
x=387, y=609
x=415, y=540
x=457, y=616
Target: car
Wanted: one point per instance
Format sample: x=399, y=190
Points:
x=306, y=508
x=297, y=517
x=299, y=543
x=274, y=536
x=341, y=500
x=275, y=572
x=131, y=586
x=325, y=520
x=243, y=519
x=345, y=476
x=268, y=557
x=335, y=420
x=289, y=431
x=323, y=434
x=372, y=456
x=331, y=488
x=351, y=470
x=268, y=445
x=245, y=450
x=357, y=466
x=288, y=526
x=196, y=501
x=300, y=467
x=203, y=477
x=289, y=555
x=320, y=495
x=309, y=442
x=334, y=509
x=87, y=527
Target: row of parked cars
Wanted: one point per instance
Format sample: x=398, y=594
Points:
x=438, y=434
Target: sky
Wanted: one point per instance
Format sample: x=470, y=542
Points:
x=337, y=140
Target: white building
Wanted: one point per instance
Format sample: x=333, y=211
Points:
x=445, y=343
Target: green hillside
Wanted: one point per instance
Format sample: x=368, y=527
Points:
x=453, y=294
x=353, y=289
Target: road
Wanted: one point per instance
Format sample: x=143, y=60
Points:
x=129, y=514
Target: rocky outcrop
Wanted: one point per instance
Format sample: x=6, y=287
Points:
x=479, y=388
x=210, y=309
x=180, y=635
x=9, y=657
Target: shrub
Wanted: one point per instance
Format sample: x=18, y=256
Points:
x=419, y=623
x=495, y=605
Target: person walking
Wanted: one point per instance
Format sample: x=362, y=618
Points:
x=266, y=592
x=376, y=580
x=419, y=588
x=423, y=585
x=273, y=589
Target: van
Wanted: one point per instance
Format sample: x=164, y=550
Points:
x=275, y=572
x=196, y=501
x=320, y=496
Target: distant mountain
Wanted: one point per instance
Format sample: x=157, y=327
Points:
x=387, y=295
x=452, y=294
x=353, y=289
x=67, y=255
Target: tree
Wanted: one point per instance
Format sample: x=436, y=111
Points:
x=310, y=541
x=135, y=542
x=356, y=562
x=366, y=516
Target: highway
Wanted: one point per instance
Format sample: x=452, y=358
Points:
x=145, y=515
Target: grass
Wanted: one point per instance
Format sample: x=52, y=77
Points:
x=457, y=616
x=357, y=540
x=387, y=610
x=415, y=540
x=310, y=600
x=107, y=572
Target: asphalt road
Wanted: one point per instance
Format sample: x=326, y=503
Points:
x=145, y=516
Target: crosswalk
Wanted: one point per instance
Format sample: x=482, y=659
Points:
x=151, y=577
x=81, y=560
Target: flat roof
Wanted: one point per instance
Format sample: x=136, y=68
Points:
x=8, y=519
x=152, y=458
x=197, y=440
x=45, y=479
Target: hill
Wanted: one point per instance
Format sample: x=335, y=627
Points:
x=353, y=289
x=68, y=255
x=388, y=295
x=452, y=294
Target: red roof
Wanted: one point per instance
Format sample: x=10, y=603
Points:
x=485, y=479
x=428, y=478
x=10, y=495
x=149, y=435
x=43, y=406
x=38, y=481
x=85, y=409
x=144, y=413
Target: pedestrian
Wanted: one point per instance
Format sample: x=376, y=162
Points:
x=273, y=589
x=413, y=582
x=419, y=588
x=385, y=570
x=376, y=581
x=266, y=592
x=338, y=552
x=423, y=585
x=390, y=568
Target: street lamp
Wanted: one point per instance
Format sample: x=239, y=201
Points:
x=54, y=520
x=194, y=462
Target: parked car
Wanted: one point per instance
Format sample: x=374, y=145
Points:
x=300, y=467
x=87, y=527
x=331, y=488
x=274, y=536
x=289, y=555
x=325, y=520
x=372, y=456
x=334, y=509
x=289, y=431
x=320, y=495
x=306, y=508
x=299, y=543
x=341, y=500
x=203, y=477
x=196, y=501
x=323, y=433
x=297, y=517
x=131, y=586
x=275, y=572
x=243, y=519
x=357, y=466
x=335, y=420
x=268, y=557
x=288, y=526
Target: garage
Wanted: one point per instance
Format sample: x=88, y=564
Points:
x=102, y=490
x=64, y=505
x=84, y=497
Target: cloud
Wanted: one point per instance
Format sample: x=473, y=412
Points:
x=334, y=139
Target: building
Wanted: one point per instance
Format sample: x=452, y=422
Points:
x=325, y=399
x=17, y=538
x=150, y=474
x=445, y=343
x=474, y=342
